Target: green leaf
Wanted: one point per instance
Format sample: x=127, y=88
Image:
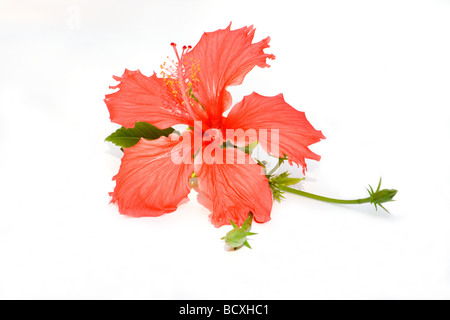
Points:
x=126, y=138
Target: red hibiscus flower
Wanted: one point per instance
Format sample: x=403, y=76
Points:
x=193, y=91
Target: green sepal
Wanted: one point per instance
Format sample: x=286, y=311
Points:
x=279, y=181
x=127, y=138
x=247, y=225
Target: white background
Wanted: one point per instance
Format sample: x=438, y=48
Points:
x=374, y=76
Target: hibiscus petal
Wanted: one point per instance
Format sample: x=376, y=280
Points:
x=154, y=176
x=145, y=99
x=234, y=185
x=225, y=58
x=280, y=129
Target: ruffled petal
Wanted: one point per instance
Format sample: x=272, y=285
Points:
x=154, y=176
x=225, y=57
x=145, y=99
x=280, y=129
x=234, y=185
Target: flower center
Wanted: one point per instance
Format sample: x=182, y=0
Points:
x=181, y=77
x=213, y=135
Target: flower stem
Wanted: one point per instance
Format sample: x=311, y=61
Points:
x=274, y=169
x=326, y=199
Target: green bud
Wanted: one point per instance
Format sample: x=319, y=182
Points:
x=237, y=237
x=381, y=196
x=384, y=195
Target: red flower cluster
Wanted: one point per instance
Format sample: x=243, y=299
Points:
x=193, y=90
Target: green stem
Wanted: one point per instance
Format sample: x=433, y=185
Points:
x=280, y=162
x=316, y=197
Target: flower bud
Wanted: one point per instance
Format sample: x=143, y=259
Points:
x=236, y=238
x=382, y=196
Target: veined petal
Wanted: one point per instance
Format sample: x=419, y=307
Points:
x=234, y=185
x=145, y=99
x=280, y=129
x=154, y=176
x=225, y=57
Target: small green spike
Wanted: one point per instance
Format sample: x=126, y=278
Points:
x=247, y=244
x=277, y=182
x=384, y=208
x=247, y=225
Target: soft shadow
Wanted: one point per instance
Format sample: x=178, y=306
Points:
x=114, y=151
